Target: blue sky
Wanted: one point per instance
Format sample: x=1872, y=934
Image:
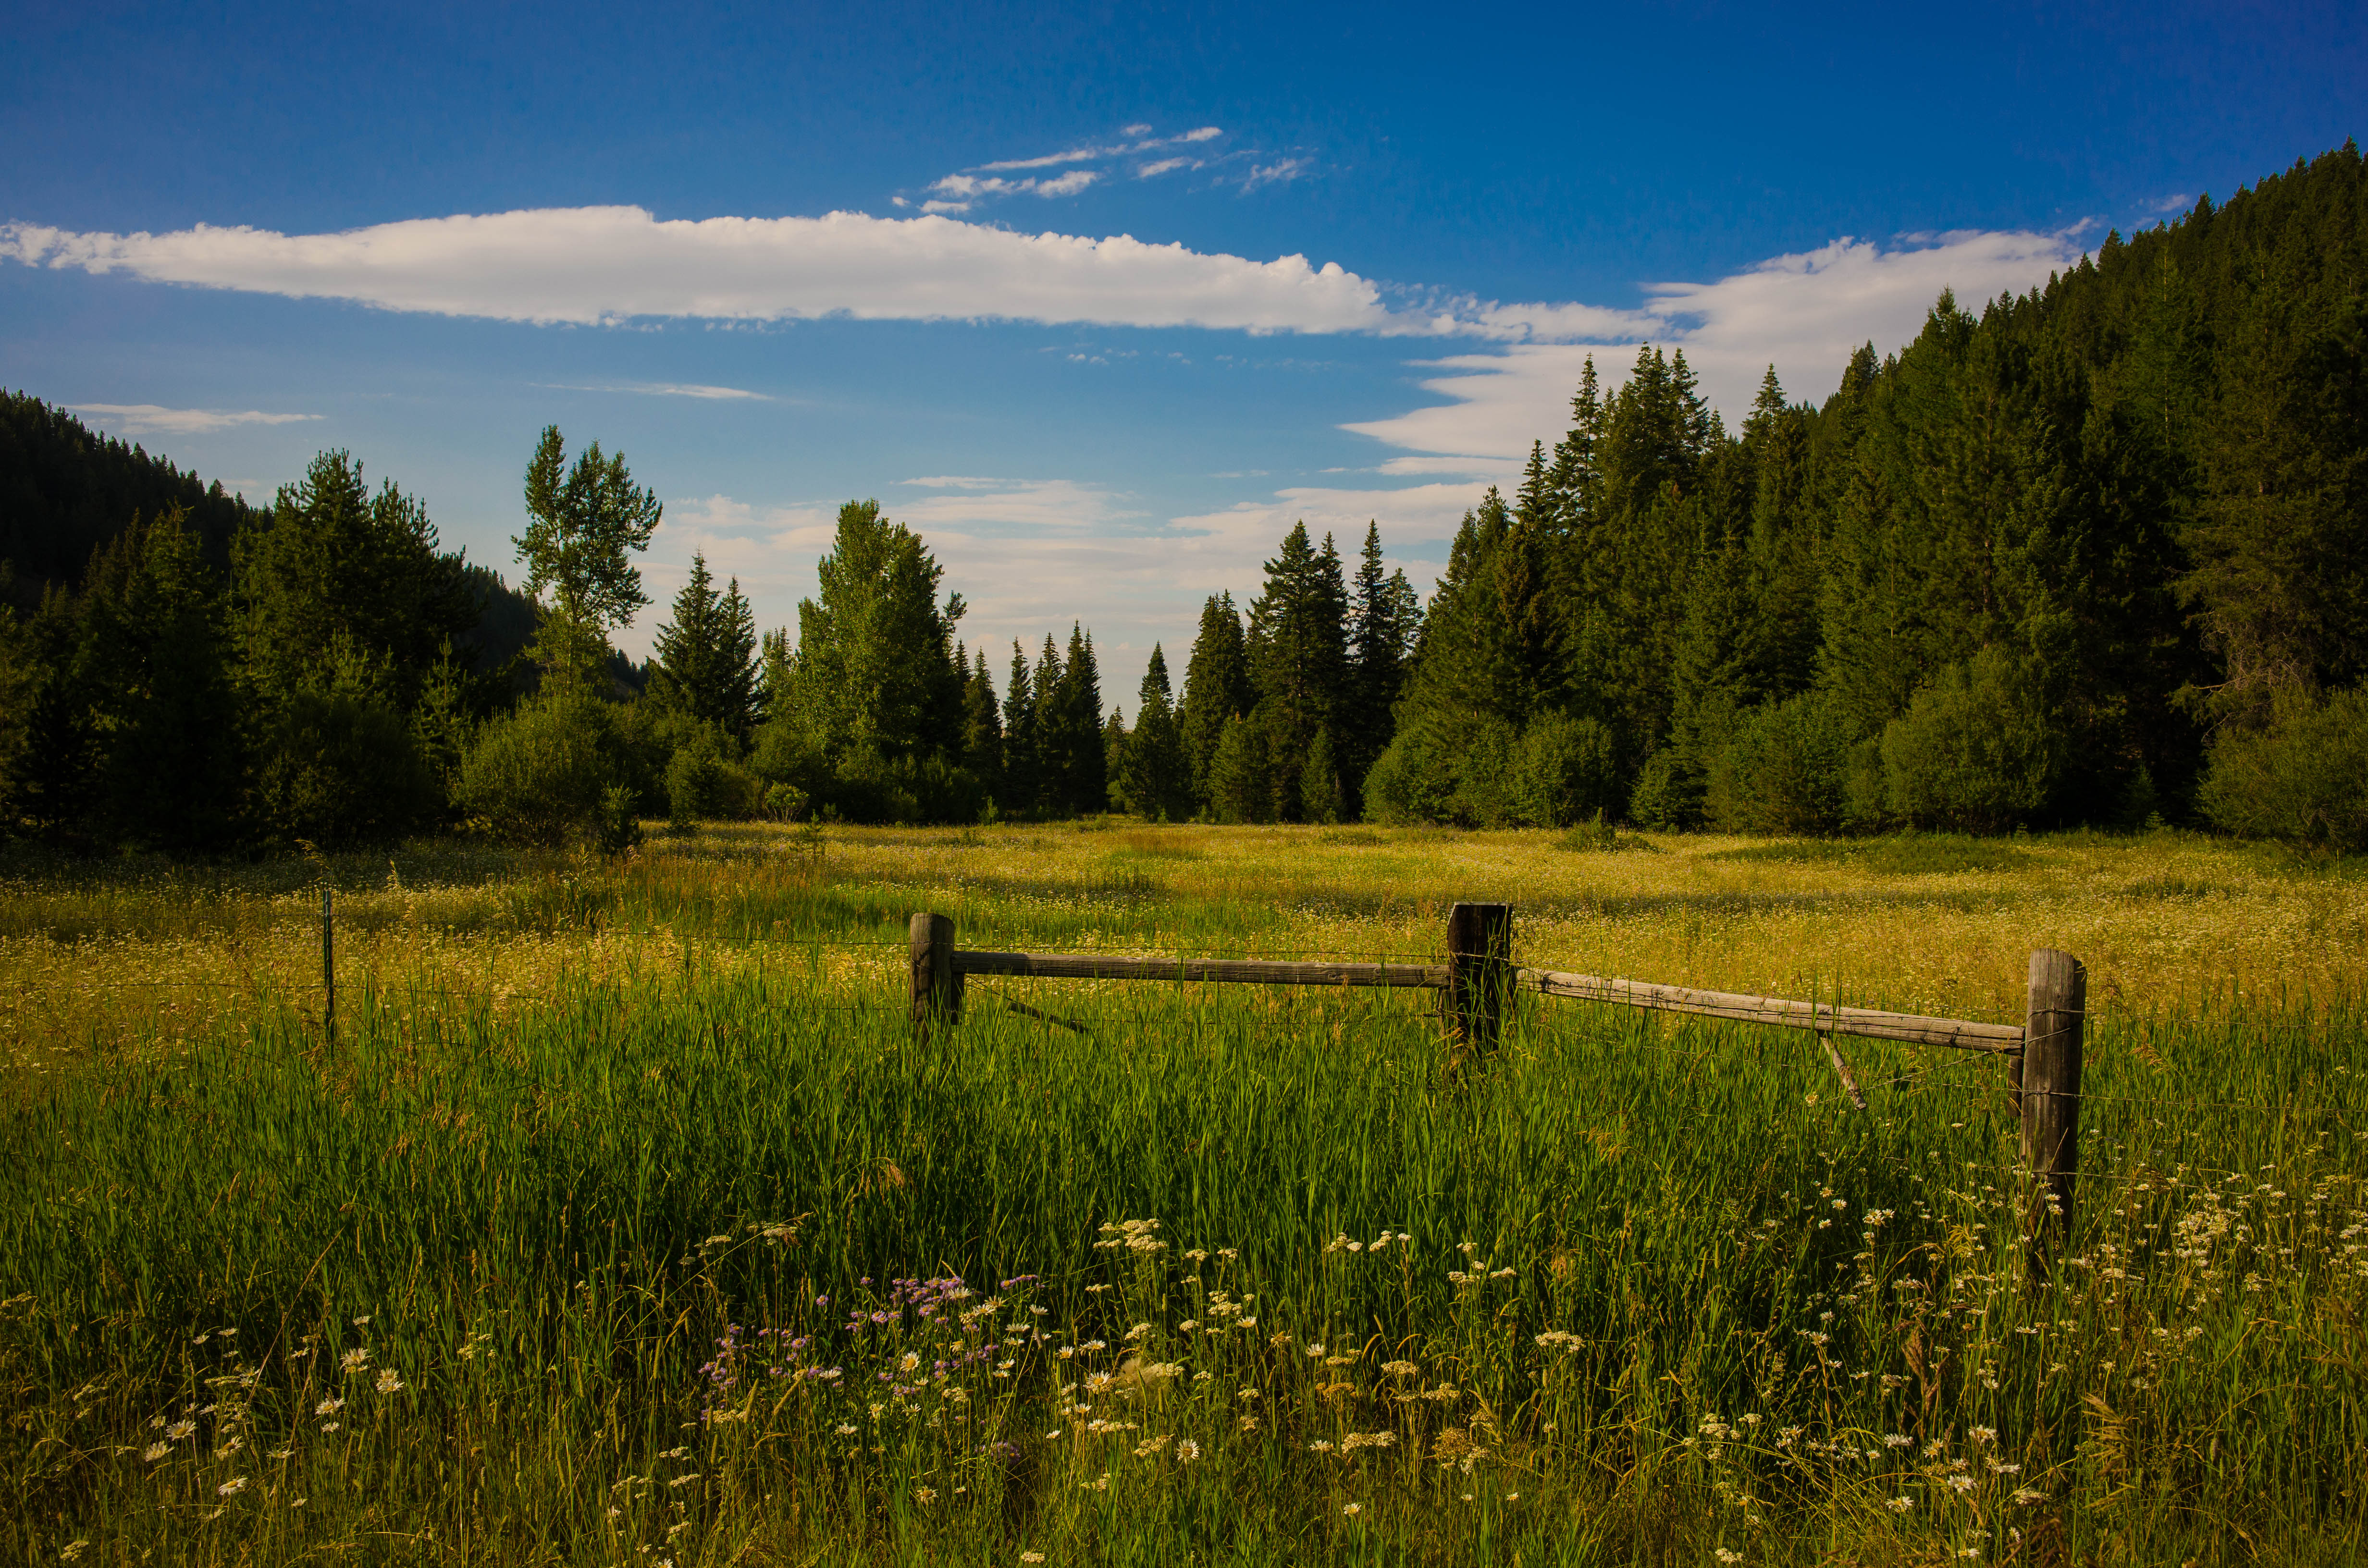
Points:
x=1099, y=299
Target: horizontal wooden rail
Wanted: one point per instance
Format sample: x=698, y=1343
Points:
x=1254, y=972
x=1958, y=1032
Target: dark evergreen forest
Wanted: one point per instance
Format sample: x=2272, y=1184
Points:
x=2096, y=554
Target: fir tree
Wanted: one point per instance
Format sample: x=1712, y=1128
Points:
x=706, y=655
x=983, y=731
x=1156, y=778
x=331, y=559
x=1297, y=647
x=1216, y=688
x=1023, y=773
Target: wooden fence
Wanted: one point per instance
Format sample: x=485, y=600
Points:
x=2043, y=1054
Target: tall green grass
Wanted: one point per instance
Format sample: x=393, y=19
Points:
x=1650, y=1292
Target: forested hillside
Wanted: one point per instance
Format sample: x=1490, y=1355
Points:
x=2096, y=554
x=2030, y=570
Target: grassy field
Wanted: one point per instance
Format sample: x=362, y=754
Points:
x=622, y=1218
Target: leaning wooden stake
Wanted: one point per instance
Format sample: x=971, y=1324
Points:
x=328, y=967
x=1479, y=975
x=2049, y=1092
x=937, y=988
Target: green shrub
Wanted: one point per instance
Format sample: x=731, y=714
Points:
x=558, y=770
x=1973, y=752
x=1669, y=793
x=1783, y=767
x=340, y=770
x=2303, y=778
x=1562, y=772
x=704, y=782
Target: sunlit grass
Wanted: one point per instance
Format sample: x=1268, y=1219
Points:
x=605, y=1158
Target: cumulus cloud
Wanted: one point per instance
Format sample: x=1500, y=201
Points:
x=1804, y=313
x=593, y=265
x=150, y=419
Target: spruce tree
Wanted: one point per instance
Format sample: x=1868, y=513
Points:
x=1085, y=765
x=1056, y=745
x=1156, y=778
x=1216, y=688
x=706, y=655
x=1297, y=647
x=331, y=559
x=1023, y=768
x=983, y=732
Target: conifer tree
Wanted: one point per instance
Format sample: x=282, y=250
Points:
x=983, y=731
x=1023, y=769
x=1156, y=778
x=1297, y=647
x=1078, y=709
x=1385, y=616
x=706, y=655
x=1216, y=688
x=331, y=559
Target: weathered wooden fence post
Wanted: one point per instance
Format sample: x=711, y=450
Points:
x=328, y=967
x=937, y=989
x=1479, y=973
x=2049, y=1090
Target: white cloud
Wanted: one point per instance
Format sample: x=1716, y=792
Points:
x=599, y=265
x=664, y=389
x=1804, y=313
x=1165, y=165
x=1051, y=160
x=149, y=420
x=1068, y=184
x=1280, y=172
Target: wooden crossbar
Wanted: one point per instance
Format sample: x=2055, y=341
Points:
x=1253, y=972
x=1959, y=1033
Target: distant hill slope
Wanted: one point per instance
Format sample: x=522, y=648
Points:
x=66, y=489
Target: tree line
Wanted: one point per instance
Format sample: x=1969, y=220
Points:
x=2098, y=553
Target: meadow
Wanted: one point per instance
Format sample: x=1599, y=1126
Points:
x=620, y=1215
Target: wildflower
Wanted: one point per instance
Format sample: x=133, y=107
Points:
x=1512, y=1497
x=925, y=1495
x=156, y=1452
x=1031, y=1556
x=231, y=1488
x=1984, y=1434
x=353, y=1361
x=281, y=1453
x=1188, y=1450
x=1897, y=1441
x=362, y=1322
x=389, y=1383
x=844, y=1430
x=1900, y=1505
x=1723, y=1555
x=329, y=1425
x=1352, y=1509
x=180, y=1429
x=2027, y=1495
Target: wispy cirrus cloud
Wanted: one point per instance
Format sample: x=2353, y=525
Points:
x=663, y=388
x=959, y=192
x=152, y=419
